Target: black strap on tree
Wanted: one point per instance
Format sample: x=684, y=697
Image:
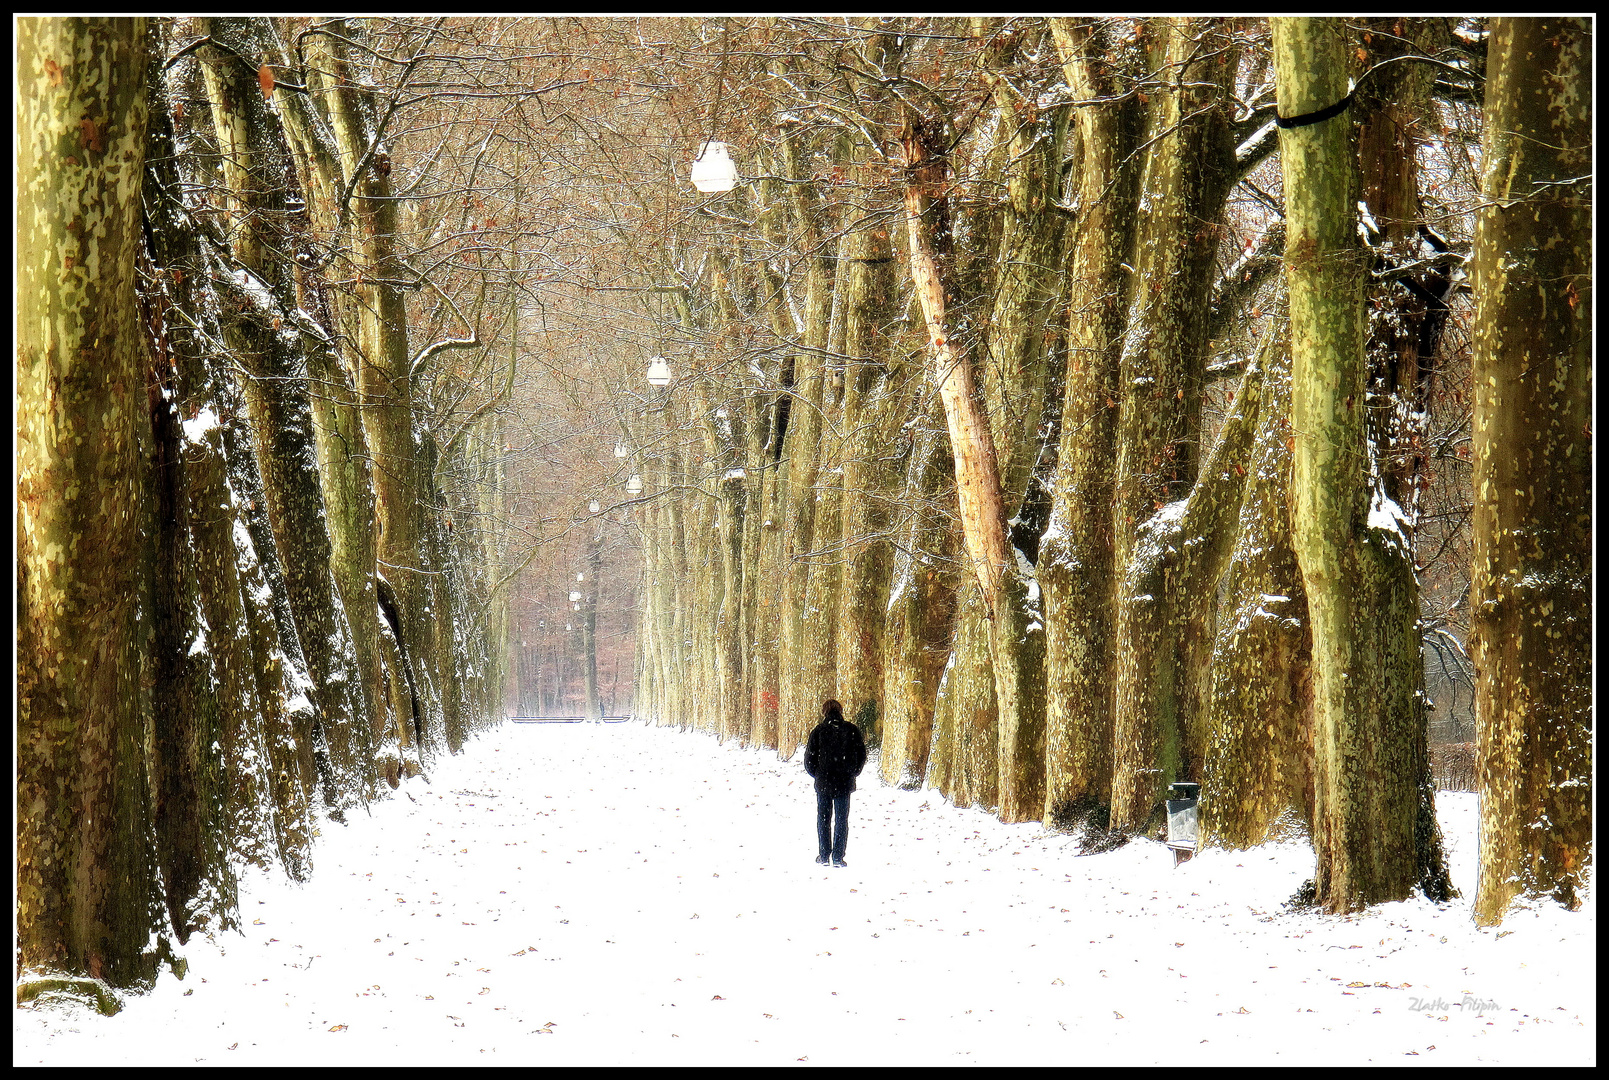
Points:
x=1314, y=117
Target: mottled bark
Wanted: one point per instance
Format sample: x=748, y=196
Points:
x=802, y=452
x=1258, y=766
x=1165, y=599
x=1407, y=309
x=1075, y=566
x=1026, y=271
x=876, y=402
x=1532, y=565
x=86, y=881
x=965, y=756
x=1374, y=829
x=385, y=375
x=1189, y=168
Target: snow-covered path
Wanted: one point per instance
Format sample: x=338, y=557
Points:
x=620, y=894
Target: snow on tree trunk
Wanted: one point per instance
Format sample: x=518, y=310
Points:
x=385, y=378
x=1165, y=598
x=1258, y=762
x=259, y=296
x=875, y=400
x=797, y=712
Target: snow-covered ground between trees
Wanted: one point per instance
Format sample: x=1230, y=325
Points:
x=622, y=894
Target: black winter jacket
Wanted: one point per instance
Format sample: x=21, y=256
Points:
x=834, y=755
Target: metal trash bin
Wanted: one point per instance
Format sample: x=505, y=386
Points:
x=1182, y=820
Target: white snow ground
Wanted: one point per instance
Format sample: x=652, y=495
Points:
x=622, y=894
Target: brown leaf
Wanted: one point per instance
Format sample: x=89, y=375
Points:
x=338, y=1027
x=265, y=79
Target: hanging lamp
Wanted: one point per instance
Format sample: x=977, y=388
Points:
x=714, y=170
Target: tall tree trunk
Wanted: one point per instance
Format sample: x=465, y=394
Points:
x=802, y=450
x=385, y=375
x=1188, y=172
x=343, y=451
x=271, y=335
x=1075, y=565
x=86, y=883
x=1374, y=829
x=1532, y=566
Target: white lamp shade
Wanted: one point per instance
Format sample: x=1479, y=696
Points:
x=574, y=597
x=592, y=507
x=634, y=485
x=658, y=371
x=714, y=170
x=620, y=450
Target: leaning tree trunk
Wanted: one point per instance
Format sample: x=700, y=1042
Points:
x=1532, y=567
x=86, y=882
x=1374, y=829
x=1009, y=608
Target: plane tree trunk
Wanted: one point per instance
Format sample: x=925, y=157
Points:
x=1374, y=829
x=1075, y=565
x=1532, y=564
x=86, y=880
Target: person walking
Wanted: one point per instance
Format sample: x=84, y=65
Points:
x=834, y=755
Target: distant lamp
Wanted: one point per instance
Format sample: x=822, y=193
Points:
x=634, y=485
x=620, y=450
x=1183, y=824
x=592, y=507
x=714, y=170
x=581, y=577
x=658, y=372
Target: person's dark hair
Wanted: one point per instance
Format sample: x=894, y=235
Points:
x=831, y=710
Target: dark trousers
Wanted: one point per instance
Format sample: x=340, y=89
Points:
x=832, y=823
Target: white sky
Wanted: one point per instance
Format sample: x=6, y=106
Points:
x=620, y=894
